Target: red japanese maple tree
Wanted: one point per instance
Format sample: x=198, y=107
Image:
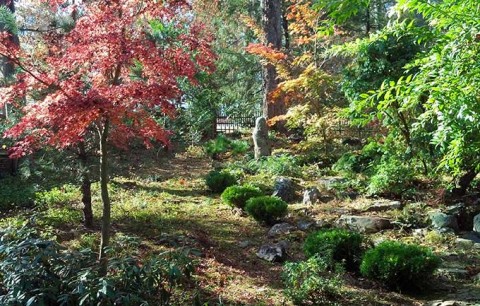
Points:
x=85, y=80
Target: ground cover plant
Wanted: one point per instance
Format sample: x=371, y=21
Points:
x=38, y=271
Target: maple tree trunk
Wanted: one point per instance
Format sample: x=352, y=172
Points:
x=106, y=219
x=86, y=187
x=272, y=26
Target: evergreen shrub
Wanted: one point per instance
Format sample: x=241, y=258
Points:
x=400, y=266
x=266, y=209
x=218, y=181
x=338, y=244
x=237, y=196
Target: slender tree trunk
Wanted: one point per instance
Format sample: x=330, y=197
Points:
x=7, y=68
x=86, y=187
x=272, y=27
x=368, y=25
x=106, y=219
x=286, y=33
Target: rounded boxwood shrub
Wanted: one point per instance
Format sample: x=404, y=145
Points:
x=237, y=196
x=217, y=181
x=266, y=208
x=400, y=266
x=339, y=244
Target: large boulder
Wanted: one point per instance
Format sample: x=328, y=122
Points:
x=364, y=224
x=260, y=138
x=273, y=252
x=465, y=213
x=284, y=188
x=311, y=196
x=443, y=222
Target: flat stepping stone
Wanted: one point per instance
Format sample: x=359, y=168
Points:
x=383, y=205
x=364, y=224
x=281, y=229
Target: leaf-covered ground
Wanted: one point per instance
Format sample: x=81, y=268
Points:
x=164, y=202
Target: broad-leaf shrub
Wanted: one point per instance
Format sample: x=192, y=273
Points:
x=392, y=176
x=37, y=271
x=313, y=282
x=360, y=161
x=266, y=209
x=400, y=266
x=218, y=181
x=16, y=192
x=237, y=196
x=341, y=245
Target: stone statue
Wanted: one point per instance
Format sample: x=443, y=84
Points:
x=260, y=138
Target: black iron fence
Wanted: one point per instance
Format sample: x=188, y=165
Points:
x=339, y=130
x=229, y=124
x=344, y=130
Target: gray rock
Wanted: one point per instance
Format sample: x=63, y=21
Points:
x=456, y=209
x=472, y=236
x=383, y=205
x=284, y=189
x=443, y=222
x=420, y=232
x=273, y=252
x=463, y=243
x=447, y=303
x=260, y=138
x=305, y=225
x=311, y=196
x=364, y=224
x=476, y=224
x=464, y=215
x=280, y=229
x=352, y=195
x=329, y=182
x=239, y=212
x=454, y=273
x=244, y=244
x=476, y=278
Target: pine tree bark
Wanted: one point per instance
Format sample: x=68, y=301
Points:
x=106, y=218
x=272, y=26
